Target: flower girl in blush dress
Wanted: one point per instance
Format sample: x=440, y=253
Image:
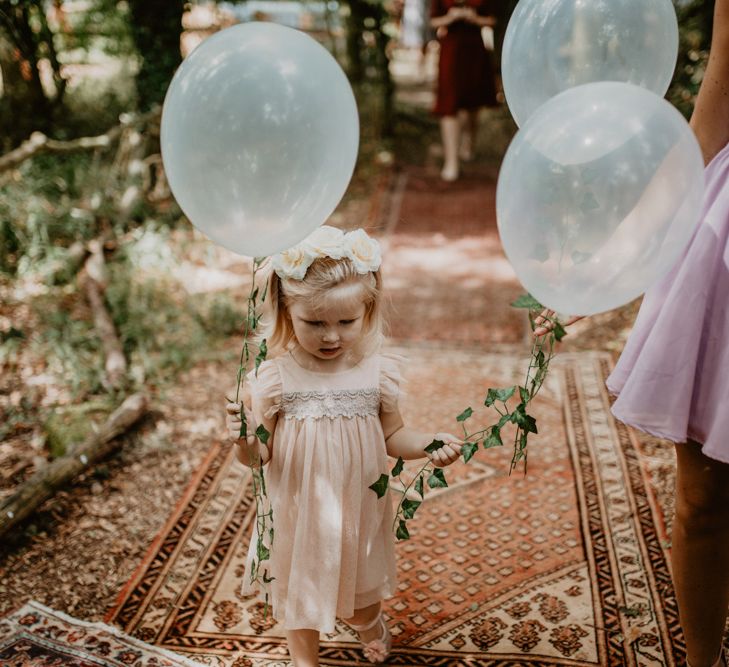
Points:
x=329, y=398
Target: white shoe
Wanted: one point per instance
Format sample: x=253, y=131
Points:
x=449, y=173
x=377, y=650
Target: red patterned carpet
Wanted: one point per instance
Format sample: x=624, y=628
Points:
x=564, y=566
x=36, y=636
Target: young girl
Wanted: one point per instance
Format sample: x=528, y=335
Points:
x=329, y=399
x=671, y=379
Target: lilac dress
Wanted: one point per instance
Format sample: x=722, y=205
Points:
x=672, y=379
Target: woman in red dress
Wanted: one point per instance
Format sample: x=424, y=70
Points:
x=465, y=76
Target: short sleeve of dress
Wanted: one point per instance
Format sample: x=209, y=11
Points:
x=265, y=390
x=391, y=381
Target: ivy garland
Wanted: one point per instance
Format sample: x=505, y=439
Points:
x=412, y=493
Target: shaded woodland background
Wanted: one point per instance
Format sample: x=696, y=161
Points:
x=93, y=309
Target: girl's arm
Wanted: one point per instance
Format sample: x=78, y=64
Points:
x=710, y=119
x=250, y=450
x=407, y=443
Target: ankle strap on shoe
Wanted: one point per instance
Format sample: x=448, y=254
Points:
x=368, y=626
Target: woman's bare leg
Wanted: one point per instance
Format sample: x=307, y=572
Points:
x=450, y=132
x=303, y=647
x=469, y=130
x=700, y=552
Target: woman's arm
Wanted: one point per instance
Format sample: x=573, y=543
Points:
x=452, y=15
x=710, y=119
x=478, y=20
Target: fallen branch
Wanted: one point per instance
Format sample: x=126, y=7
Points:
x=46, y=481
x=40, y=143
x=94, y=283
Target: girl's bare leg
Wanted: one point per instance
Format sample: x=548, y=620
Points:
x=303, y=647
x=700, y=552
x=450, y=131
x=365, y=616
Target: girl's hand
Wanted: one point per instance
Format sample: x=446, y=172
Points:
x=543, y=324
x=234, y=423
x=250, y=447
x=449, y=452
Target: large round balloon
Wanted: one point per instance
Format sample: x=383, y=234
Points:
x=598, y=194
x=553, y=45
x=259, y=137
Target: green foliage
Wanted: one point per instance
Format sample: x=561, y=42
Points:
x=70, y=345
x=695, y=19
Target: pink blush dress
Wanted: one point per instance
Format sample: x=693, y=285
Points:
x=334, y=547
x=672, y=379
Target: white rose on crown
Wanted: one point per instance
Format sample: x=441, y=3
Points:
x=363, y=250
x=293, y=262
x=325, y=241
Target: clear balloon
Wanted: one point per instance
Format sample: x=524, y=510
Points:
x=259, y=137
x=598, y=194
x=553, y=45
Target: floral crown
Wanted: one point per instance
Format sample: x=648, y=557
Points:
x=325, y=241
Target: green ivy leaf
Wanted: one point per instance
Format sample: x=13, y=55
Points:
x=504, y=419
x=493, y=439
x=539, y=358
x=559, y=332
x=464, y=415
x=262, y=434
x=523, y=420
x=254, y=296
x=262, y=550
x=437, y=479
x=266, y=578
x=502, y=395
x=380, y=486
x=409, y=507
x=524, y=394
x=434, y=446
x=261, y=356
x=527, y=301
x=402, y=531
x=397, y=468
x=419, y=486
x=468, y=449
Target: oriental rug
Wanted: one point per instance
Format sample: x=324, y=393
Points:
x=564, y=565
x=36, y=636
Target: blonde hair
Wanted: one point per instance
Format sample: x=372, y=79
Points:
x=321, y=277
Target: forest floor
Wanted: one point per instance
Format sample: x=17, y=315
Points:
x=448, y=285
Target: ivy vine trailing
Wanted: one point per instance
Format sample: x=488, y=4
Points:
x=264, y=512
x=488, y=437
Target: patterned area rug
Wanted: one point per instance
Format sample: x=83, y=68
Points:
x=36, y=636
x=564, y=566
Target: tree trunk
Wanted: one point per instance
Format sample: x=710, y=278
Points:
x=156, y=28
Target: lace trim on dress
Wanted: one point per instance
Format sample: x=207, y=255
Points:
x=331, y=404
